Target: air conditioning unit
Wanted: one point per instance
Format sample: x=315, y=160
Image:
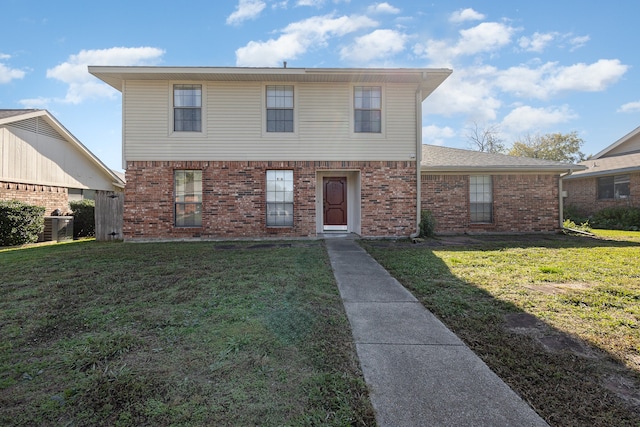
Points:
x=58, y=228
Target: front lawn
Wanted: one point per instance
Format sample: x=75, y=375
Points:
x=557, y=317
x=189, y=334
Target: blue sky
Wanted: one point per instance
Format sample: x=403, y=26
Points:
x=521, y=67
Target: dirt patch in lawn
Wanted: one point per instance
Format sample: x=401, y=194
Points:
x=558, y=288
x=553, y=341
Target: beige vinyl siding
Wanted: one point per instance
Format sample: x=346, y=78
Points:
x=630, y=146
x=233, y=128
x=42, y=156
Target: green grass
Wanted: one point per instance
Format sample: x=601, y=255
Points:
x=557, y=317
x=190, y=334
x=631, y=236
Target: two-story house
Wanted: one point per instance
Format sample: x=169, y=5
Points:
x=255, y=152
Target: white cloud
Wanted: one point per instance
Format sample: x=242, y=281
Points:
x=7, y=74
x=550, y=79
x=578, y=42
x=468, y=92
x=464, y=15
x=314, y=3
x=36, y=102
x=485, y=37
x=4, y=56
x=588, y=77
x=630, y=107
x=526, y=118
x=298, y=37
x=383, y=8
x=537, y=42
x=246, y=9
x=318, y=3
x=83, y=85
x=378, y=44
x=436, y=135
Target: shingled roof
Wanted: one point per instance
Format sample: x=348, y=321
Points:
x=12, y=113
x=446, y=159
x=609, y=165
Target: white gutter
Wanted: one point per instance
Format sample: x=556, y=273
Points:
x=560, y=199
x=418, y=161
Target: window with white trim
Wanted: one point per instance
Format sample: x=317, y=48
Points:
x=188, y=198
x=187, y=108
x=279, y=108
x=614, y=187
x=481, y=198
x=367, y=109
x=279, y=198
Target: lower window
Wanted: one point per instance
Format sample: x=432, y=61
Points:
x=279, y=198
x=481, y=198
x=188, y=198
x=613, y=187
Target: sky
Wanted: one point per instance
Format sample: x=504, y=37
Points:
x=521, y=68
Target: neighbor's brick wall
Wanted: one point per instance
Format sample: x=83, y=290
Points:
x=234, y=199
x=521, y=203
x=51, y=197
x=582, y=194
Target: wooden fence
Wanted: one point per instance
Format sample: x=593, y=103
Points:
x=109, y=214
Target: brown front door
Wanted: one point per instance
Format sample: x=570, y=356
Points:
x=335, y=200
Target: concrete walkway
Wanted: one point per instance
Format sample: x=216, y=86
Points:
x=418, y=372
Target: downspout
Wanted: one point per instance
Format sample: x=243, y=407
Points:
x=418, y=161
x=560, y=199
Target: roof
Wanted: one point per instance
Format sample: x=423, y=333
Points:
x=428, y=79
x=618, y=143
x=5, y=114
x=11, y=116
x=446, y=159
x=609, y=165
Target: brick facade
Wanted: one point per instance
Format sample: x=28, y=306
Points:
x=521, y=203
x=234, y=202
x=51, y=197
x=582, y=195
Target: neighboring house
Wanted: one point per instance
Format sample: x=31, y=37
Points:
x=611, y=178
x=43, y=164
x=255, y=152
x=475, y=192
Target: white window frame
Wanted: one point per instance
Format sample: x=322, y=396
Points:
x=203, y=112
x=263, y=110
x=383, y=113
x=196, y=204
x=617, y=181
x=483, y=197
x=279, y=198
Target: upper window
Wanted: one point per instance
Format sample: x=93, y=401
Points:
x=279, y=108
x=188, y=198
x=367, y=103
x=613, y=187
x=187, y=108
x=481, y=198
x=279, y=198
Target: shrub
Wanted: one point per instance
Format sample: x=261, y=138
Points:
x=617, y=218
x=20, y=223
x=571, y=212
x=427, y=224
x=584, y=226
x=84, y=221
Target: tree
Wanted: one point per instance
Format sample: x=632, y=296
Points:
x=486, y=139
x=553, y=146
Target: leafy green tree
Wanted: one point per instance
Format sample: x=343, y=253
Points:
x=553, y=146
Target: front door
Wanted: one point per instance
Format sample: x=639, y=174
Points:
x=335, y=203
